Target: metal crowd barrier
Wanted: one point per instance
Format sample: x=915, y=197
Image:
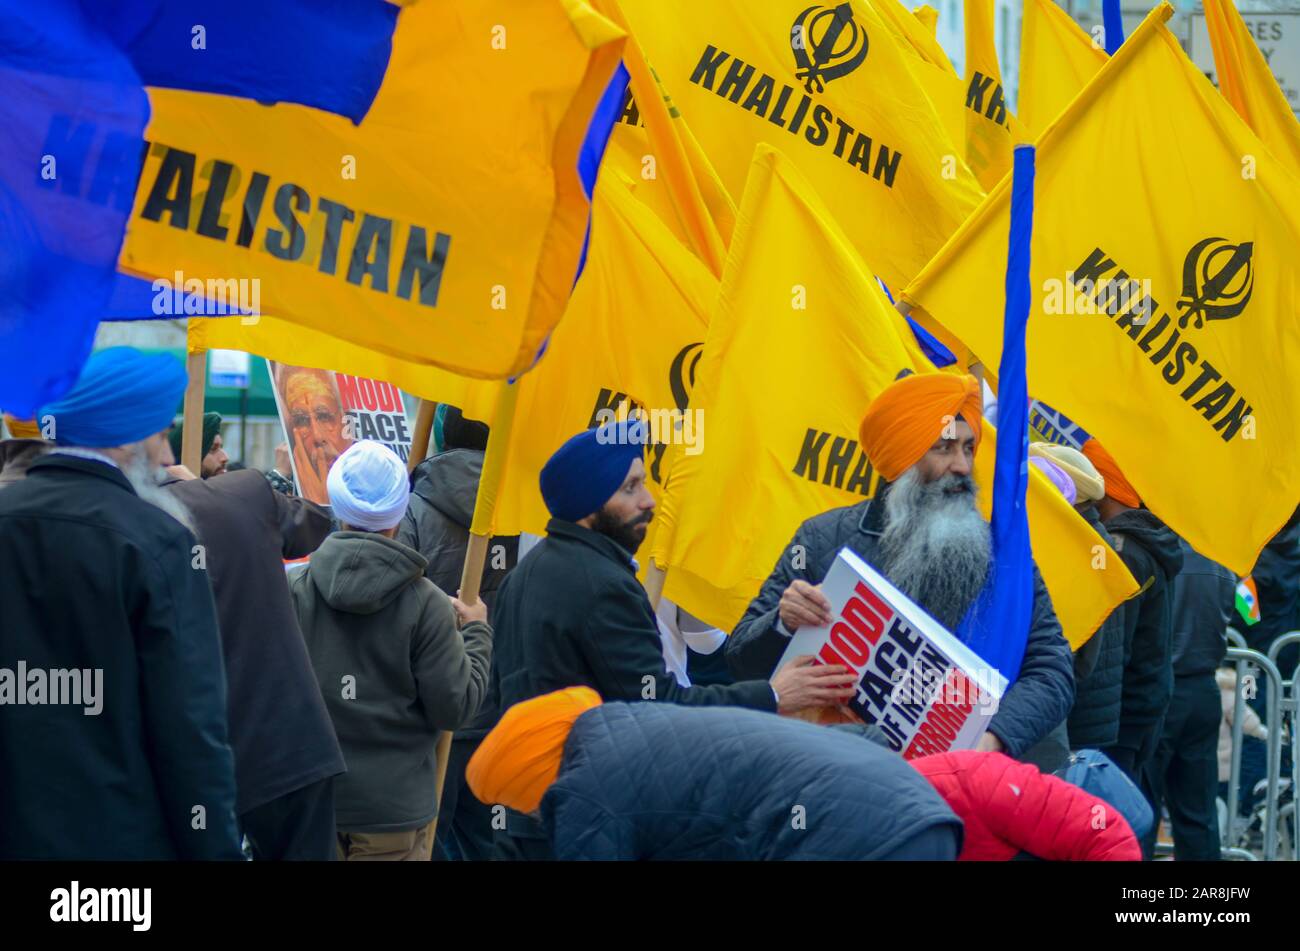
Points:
x=1291, y=719
x=1281, y=698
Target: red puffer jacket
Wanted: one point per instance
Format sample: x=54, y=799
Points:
x=1009, y=807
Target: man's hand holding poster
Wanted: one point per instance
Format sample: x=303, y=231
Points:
x=924, y=689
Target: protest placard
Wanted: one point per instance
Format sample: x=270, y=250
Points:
x=925, y=690
x=324, y=412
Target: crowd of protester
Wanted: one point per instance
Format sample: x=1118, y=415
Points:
x=249, y=710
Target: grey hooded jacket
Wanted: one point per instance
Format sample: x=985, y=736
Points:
x=393, y=669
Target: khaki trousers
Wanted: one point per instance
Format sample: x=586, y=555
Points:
x=413, y=845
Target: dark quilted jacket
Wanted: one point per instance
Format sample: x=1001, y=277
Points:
x=661, y=781
x=1099, y=673
x=1036, y=703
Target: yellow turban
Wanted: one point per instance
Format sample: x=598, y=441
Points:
x=1089, y=486
x=1117, y=487
x=903, y=422
x=517, y=762
x=22, y=428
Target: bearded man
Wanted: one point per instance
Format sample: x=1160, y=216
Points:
x=572, y=612
x=923, y=532
x=212, y=453
x=105, y=591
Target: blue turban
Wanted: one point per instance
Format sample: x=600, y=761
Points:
x=587, y=470
x=121, y=397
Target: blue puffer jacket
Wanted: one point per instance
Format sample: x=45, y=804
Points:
x=662, y=781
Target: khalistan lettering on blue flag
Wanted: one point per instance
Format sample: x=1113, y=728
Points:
x=997, y=626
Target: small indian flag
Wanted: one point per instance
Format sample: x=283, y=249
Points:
x=1248, y=600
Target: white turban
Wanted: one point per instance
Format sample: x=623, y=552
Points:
x=368, y=487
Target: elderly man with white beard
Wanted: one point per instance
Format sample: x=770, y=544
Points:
x=922, y=530
x=100, y=578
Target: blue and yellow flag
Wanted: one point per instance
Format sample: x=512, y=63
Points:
x=444, y=227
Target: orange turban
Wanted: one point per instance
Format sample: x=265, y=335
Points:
x=903, y=422
x=22, y=428
x=1117, y=487
x=517, y=762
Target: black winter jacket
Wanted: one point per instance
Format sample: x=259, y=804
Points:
x=1099, y=673
x=1204, y=600
x=1151, y=552
x=658, y=781
x=572, y=614
x=1277, y=581
x=94, y=578
x=1038, y=700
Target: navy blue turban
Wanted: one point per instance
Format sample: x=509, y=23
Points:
x=587, y=470
x=122, y=396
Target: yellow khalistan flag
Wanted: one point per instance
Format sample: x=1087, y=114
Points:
x=992, y=132
x=930, y=67
x=830, y=86
x=445, y=228
x=929, y=18
x=800, y=341
x=1056, y=61
x=628, y=344
x=653, y=150
x=1167, y=286
x=285, y=342
x=1246, y=81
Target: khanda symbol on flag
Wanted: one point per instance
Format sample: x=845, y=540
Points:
x=1221, y=294
x=821, y=29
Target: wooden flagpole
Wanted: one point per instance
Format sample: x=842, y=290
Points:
x=480, y=532
x=192, y=416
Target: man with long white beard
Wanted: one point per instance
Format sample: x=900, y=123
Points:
x=922, y=530
x=113, y=736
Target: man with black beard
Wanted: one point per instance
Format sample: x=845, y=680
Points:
x=572, y=613
x=96, y=577
x=923, y=532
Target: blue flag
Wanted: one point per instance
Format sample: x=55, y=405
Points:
x=71, y=102
x=327, y=54
x=74, y=110
x=1113, y=25
x=997, y=626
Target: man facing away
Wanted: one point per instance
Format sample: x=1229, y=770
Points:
x=391, y=664
x=99, y=582
x=285, y=750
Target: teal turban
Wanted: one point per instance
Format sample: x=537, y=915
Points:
x=121, y=397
